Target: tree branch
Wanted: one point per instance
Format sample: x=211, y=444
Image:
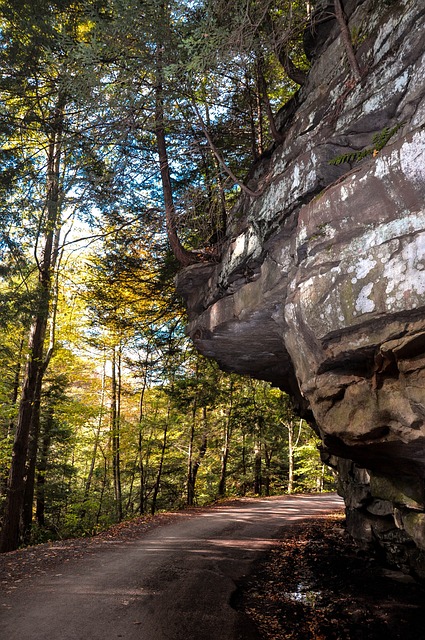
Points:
x=346, y=39
x=216, y=152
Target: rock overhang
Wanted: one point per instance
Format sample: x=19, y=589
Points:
x=321, y=284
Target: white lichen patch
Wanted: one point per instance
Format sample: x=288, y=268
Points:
x=382, y=167
x=401, y=81
x=412, y=158
x=372, y=276
x=388, y=232
x=406, y=276
x=363, y=303
x=364, y=266
x=238, y=247
x=344, y=194
x=296, y=177
x=374, y=103
x=246, y=245
x=384, y=38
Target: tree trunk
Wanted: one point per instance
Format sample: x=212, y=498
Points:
x=258, y=481
x=10, y=425
x=244, y=485
x=224, y=459
x=346, y=39
x=41, y=475
x=292, y=445
x=182, y=255
x=27, y=513
x=293, y=72
x=27, y=510
x=290, y=457
x=161, y=463
x=190, y=484
x=197, y=463
x=276, y=135
x=89, y=478
x=102, y=490
x=16, y=380
x=115, y=428
x=226, y=445
x=16, y=487
x=142, y=488
x=268, y=455
x=36, y=365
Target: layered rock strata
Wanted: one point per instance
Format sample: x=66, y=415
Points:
x=321, y=284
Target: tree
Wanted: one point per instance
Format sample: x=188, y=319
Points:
x=46, y=96
x=99, y=129
x=46, y=242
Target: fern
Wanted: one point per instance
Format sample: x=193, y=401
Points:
x=379, y=140
x=353, y=156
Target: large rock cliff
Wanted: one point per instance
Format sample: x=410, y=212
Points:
x=321, y=284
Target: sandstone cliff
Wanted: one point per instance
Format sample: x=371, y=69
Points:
x=321, y=284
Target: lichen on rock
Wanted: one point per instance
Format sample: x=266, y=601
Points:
x=321, y=284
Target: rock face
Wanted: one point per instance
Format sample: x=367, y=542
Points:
x=321, y=284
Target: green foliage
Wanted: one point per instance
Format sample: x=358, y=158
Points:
x=379, y=141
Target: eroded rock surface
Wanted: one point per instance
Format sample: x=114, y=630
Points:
x=321, y=285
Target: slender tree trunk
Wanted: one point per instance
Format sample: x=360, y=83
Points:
x=115, y=427
x=89, y=479
x=290, y=457
x=27, y=510
x=258, y=481
x=320, y=480
x=292, y=445
x=10, y=425
x=244, y=485
x=16, y=381
x=183, y=256
x=103, y=487
x=224, y=459
x=142, y=487
x=197, y=462
x=27, y=513
x=260, y=131
x=268, y=455
x=190, y=485
x=42, y=468
x=226, y=445
x=346, y=39
x=36, y=365
x=276, y=135
x=161, y=462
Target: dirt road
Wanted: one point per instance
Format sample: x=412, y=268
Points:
x=173, y=583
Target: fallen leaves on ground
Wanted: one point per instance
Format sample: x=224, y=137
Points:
x=317, y=585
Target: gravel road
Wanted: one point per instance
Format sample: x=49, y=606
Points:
x=175, y=582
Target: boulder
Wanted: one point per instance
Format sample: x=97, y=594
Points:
x=321, y=284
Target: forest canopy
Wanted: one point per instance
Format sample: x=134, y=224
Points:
x=126, y=129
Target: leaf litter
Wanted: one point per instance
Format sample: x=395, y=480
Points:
x=316, y=584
